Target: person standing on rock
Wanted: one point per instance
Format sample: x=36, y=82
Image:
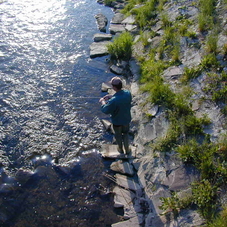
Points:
x=119, y=107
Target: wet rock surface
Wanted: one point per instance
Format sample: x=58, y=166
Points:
x=101, y=21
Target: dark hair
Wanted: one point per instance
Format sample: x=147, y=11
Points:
x=118, y=86
x=116, y=82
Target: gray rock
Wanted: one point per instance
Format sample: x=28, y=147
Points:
x=181, y=178
x=117, y=70
x=110, y=151
x=116, y=28
x=101, y=21
x=130, y=27
x=122, y=197
x=173, y=73
x=99, y=49
x=191, y=58
x=105, y=87
x=133, y=222
x=188, y=218
x=122, y=167
x=127, y=183
x=135, y=69
x=129, y=20
x=102, y=37
x=117, y=18
x=107, y=124
x=156, y=202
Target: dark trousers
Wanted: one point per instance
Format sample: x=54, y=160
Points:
x=121, y=136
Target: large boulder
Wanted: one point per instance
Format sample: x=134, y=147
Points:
x=101, y=21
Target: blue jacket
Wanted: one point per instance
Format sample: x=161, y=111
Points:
x=119, y=107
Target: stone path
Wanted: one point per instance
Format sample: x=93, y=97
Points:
x=128, y=193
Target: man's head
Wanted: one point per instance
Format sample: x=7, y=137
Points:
x=116, y=82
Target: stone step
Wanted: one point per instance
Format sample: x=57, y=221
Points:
x=110, y=151
x=123, y=167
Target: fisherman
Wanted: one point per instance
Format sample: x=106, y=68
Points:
x=119, y=106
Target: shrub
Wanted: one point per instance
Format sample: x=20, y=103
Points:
x=190, y=73
x=166, y=143
x=220, y=95
x=220, y=220
x=204, y=196
x=150, y=69
x=174, y=203
x=165, y=20
x=145, y=13
x=211, y=43
x=161, y=93
x=206, y=15
x=121, y=48
x=210, y=61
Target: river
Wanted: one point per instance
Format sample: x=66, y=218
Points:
x=50, y=128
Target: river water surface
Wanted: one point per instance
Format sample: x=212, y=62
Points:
x=50, y=128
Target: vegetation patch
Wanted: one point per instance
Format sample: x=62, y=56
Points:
x=121, y=48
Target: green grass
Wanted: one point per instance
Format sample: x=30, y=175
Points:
x=204, y=196
x=211, y=43
x=190, y=73
x=220, y=220
x=206, y=16
x=145, y=13
x=121, y=48
x=210, y=61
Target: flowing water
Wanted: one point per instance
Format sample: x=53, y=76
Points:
x=50, y=128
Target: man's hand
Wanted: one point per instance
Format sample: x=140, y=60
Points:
x=105, y=98
x=102, y=101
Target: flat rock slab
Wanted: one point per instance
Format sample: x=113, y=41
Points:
x=98, y=37
x=98, y=49
x=116, y=28
x=107, y=124
x=133, y=222
x=117, y=18
x=110, y=151
x=181, y=178
x=127, y=183
x=129, y=20
x=117, y=70
x=122, y=197
x=122, y=167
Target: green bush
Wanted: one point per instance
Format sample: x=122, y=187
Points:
x=121, y=48
x=161, y=93
x=174, y=203
x=211, y=43
x=168, y=142
x=220, y=220
x=210, y=61
x=150, y=69
x=190, y=73
x=204, y=196
x=220, y=95
x=145, y=13
x=206, y=15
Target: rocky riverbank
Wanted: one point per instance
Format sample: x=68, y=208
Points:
x=155, y=174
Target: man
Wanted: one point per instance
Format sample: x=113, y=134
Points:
x=119, y=106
